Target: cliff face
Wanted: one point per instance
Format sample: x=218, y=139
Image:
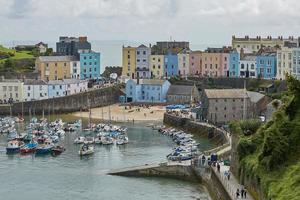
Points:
x=266, y=160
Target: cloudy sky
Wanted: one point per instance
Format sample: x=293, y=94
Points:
x=198, y=21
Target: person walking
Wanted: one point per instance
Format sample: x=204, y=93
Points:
x=237, y=193
x=242, y=192
x=218, y=167
x=228, y=176
x=245, y=193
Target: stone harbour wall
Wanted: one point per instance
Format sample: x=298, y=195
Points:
x=71, y=103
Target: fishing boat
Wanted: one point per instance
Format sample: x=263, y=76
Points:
x=29, y=148
x=122, y=140
x=79, y=140
x=57, y=150
x=107, y=141
x=14, y=146
x=45, y=148
x=86, y=149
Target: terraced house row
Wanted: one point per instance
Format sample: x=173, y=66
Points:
x=73, y=59
x=267, y=58
x=13, y=90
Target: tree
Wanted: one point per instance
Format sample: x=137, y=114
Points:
x=8, y=63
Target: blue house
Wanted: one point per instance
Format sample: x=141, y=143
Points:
x=56, y=88
x=147, y=90
x=89, y=64
x=171, y=65
x=266, y=65
x=234, y=58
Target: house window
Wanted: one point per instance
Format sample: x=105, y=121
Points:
x=216, y=108
x=225, y=116
x=84, y=57
x=65, y=64
x=138, y=52
x=53, y=87
x=144, y=52
x=28, y=87
x=60, y=87
x=28, y=94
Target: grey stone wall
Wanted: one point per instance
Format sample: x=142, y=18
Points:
x=72, y=103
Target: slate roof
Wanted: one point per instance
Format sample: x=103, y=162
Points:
x=225, y=93
x=180, y=90
x=255, y=96
x=152, y=81
x=34, y=82
x=57, y=58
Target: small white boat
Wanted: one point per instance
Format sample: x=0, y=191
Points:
x=89, y=140
x=79, y=140
x=86, y=150
x=107, y=141
x=98, y=140
x=122, y=140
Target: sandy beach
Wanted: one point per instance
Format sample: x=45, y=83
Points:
x=120, y=114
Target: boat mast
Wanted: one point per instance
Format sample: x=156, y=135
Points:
x=244, y=106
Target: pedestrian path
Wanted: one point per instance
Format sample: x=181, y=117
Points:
x=230, y=185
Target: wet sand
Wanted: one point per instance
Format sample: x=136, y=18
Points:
x=120, y=114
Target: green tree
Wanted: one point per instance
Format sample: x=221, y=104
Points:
x=8, y=64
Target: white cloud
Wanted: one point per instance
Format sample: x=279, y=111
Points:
x=197, y=20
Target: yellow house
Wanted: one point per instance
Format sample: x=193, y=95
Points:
x=54, y=67
x=128, y=61
x=156, y=67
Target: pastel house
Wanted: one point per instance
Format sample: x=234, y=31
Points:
x=147, y=90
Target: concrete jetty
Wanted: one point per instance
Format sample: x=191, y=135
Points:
x=177, y=170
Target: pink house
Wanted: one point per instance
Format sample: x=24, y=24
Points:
x=215, y=62
x=195, y=63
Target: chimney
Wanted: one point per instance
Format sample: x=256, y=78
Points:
x=82, y=39
x=137, y=78
x=242, y=53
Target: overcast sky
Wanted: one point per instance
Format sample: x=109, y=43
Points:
x=198, y=21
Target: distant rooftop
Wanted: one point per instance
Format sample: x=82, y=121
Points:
x=57, y=58
x=180, y=90
x=34, y=82
x=226, y=93
x=66, y=81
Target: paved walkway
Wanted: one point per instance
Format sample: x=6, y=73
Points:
x=230, y=185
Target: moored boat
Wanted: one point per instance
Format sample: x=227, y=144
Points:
x=14, y=146
x=29, y=148
x=86, y=149
x=58, y=150
x=45, y=148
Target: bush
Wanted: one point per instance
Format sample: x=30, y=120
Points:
x=245, y=147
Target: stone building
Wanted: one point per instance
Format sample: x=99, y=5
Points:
x=253, y=45
x=221, y=106
x=183, y=94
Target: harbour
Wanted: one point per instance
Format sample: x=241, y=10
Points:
x=86, y=177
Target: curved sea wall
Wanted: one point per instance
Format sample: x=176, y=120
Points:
x=197, y=128
x=70, y=103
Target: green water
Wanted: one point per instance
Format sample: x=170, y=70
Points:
x=70, y=177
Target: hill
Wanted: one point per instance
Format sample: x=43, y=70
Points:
x=15, y=61
x=269, y=155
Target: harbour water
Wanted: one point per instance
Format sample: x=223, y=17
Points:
x=68, y=176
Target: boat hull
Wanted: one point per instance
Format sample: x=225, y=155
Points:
x=13, y=150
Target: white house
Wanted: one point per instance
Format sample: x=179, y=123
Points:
x=74, y=86
x=35, y=90
x=11, y=90
x=42, y=47
x=247, y=67
x=75, y=69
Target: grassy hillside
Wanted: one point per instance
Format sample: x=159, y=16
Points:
x=270, y=156
x=15, y=54
x=15, y=61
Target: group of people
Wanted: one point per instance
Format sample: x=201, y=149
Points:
x=242, y=193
